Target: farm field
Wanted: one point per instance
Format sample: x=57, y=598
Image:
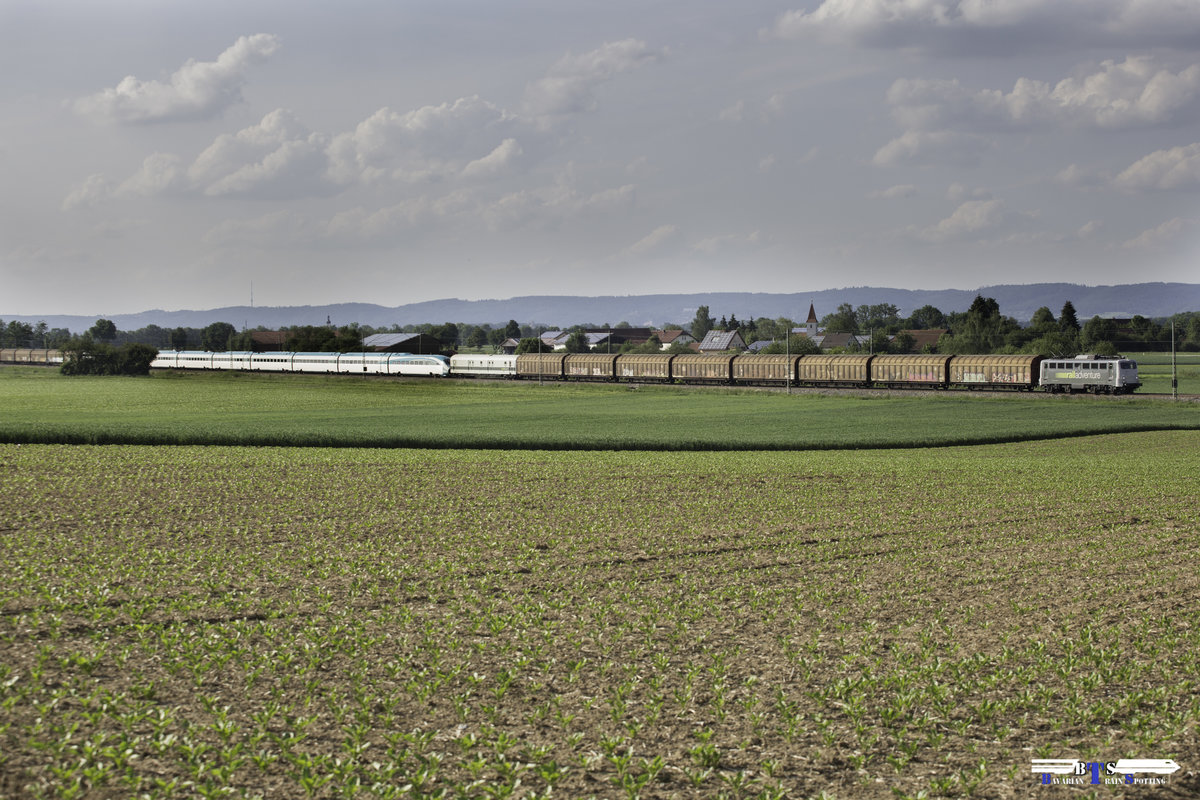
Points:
x=42, y=406
x=1154, y=369
x=213, y=621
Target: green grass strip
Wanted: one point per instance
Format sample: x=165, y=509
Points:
x=232, y=409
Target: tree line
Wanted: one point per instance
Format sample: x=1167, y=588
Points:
x=982, y=328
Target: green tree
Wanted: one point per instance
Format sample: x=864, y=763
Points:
x=1042, y=318
x=844, y=320
x=881, y=316
x=104, y=330
x=796, y=344
x=216, y=336
x=903, y=343
x=86, y=356
x=701, y=324
x=530, y=344
x=447, y=334
x=577, y=342
x=477, y=338
x=927, y=317
x=1098, y=336
x=179, y=339
x=512, y=330
x=1067, y=319
x=18, y=334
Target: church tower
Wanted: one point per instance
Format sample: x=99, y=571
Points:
x=810, y=325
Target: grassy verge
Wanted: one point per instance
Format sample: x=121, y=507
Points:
x=286, y=410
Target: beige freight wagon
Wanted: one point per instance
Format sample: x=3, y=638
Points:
x=768, y=368
x=834, y=370
x=590, y=366
x=702, y=367
x=905, y=370
x=991, y=372
x=541, y=365
x=644, y=367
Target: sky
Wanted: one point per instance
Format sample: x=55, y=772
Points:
x=188, y=155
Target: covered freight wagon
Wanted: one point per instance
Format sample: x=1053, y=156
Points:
x=541, y=365
x=644, y=367
x=834, y=370
x=905, y=370
x=992, y=372
x=590, y=366
x=769, y=368
x=702, y=367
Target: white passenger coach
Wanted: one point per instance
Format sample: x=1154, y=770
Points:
x=341, y=363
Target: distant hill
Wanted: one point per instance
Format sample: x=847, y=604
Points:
x=1019, y=301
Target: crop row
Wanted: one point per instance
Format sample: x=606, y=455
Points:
x=179, y=622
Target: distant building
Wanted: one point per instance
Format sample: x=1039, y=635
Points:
x=832, y=340
x=621, y=336
x=669, y=338
x=269, y=341
x=720, y=341
x=417, y=343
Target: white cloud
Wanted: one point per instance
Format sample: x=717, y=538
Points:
x=731, y=241
x=734, y=113
x=425, y=144
x=497, y=162
x=1135, y=92
x=989, y=26
x=197, y=90
x=569, y=85
x=1162, y=236
x=91, y=192
x=278, y=157
x=894, y=192
x=968, y=220
x=934, y=147
x=1082, y=177
x=654, y=240
x=1176, y=168
x=160, y=173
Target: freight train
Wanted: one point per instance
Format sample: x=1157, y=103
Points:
x=1092, y=373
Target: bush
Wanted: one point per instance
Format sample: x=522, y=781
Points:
x=85, y=356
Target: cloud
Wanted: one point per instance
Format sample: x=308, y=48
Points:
x=969, y=221
x=986, y=27
x=91, y=192
x=426, y=144
x=568, y=87
x=653, y=241
x=1082, y=177
x=894, y=192
x=277, y=158
x=934, y=147
x=197, y=90
x=496, y=162
x=1162, y=236
x=1177, y=168
x=728, y=242
x=1136, y=92
x=159, y=174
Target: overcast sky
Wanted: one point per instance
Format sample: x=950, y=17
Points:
x=172, y=154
